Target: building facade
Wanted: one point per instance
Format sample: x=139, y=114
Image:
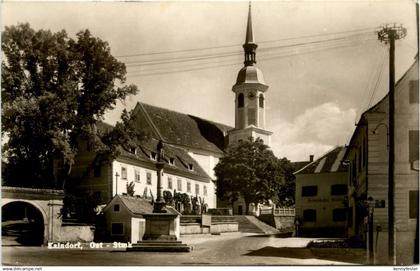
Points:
x=189, y=158
x=367, y=156
x=321, y=192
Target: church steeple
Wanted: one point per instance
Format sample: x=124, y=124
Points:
x=249, y=92
x=249, y=46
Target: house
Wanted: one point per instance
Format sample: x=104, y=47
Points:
x=321, y=191
x=188, y=168
x=367, y=155
x=124, y=218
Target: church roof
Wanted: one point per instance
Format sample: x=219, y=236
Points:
x=250, y=74
x=329, y=162
x=181, y=129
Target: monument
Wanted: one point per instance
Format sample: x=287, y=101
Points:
x=163, y=224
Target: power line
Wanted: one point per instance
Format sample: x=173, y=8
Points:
x=235, y=63
x=180, y=66
x=236, y=45
x=378, y=80
x=205, y=57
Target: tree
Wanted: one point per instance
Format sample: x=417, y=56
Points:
x=54, y=89
x=249, y=169
x=130, y=189
x=286, y=194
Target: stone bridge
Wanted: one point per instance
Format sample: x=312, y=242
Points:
x=42, y=205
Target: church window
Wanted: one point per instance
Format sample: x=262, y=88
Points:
x=136, y=176
x=123, y=173
x=149, y=178
x=240, y=100
x=169, y=183
x=179, y=184
x=261, y=101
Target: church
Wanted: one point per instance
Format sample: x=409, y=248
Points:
x=193, y=145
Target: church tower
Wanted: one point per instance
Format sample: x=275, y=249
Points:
x=249, y=92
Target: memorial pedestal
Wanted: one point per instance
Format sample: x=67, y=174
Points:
x=161, y=235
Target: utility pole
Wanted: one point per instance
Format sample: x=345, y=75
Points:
x=390, y=33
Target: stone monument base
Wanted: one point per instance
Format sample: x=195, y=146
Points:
x=162, y=234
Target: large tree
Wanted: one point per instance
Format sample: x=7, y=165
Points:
x=250, y=169
x=54, y=89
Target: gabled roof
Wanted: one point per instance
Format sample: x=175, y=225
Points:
x=299, y=164
x=362, y=119
x=329, y=162
x=181, y=129
x=137, y=205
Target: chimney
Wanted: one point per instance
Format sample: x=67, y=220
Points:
x=311, y=158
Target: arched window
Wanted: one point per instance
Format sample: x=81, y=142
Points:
x=240, y=100
x=261, y=101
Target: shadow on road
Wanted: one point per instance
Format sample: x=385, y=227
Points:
x=351, y=256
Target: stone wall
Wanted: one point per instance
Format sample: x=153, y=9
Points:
x=77, y=232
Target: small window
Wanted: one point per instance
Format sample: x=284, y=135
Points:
x=116, y=208
x=169, y=183
x=413, y=145
x=309, y=191
x=189, y=187
x=261, y=101
x=309, y=215
x=117, y=228
x=179, y=184
x=414, y=203
x=240, y=100
x=197, y=189
x=414, y=92
x=205, y=190
x=339, y=214
x=171, y=161
x=338, y=189
x=153, y=156
x=149, y=178
x=97, y=171
x=190, y=166
x=123, y=173
x=136, y=176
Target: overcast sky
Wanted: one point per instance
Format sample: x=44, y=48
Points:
x=321, y=59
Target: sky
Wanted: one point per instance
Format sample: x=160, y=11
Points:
x=321, y=60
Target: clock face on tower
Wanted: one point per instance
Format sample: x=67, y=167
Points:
x=251, y=95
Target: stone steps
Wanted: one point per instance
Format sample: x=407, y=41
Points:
x=251, y=224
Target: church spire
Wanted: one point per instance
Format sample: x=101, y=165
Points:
x=249, y=47
x=249, y=34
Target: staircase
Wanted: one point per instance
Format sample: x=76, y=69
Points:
x=251, y=224
x=160, y=246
